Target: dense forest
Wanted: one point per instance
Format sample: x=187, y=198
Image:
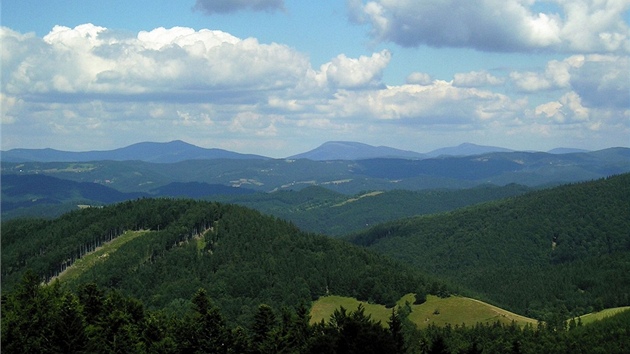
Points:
x=51, y=319
x=202, y=276
x=314, y=209
x=320, y=210
x=562, y=250
x=348, y=177
x=240, y=256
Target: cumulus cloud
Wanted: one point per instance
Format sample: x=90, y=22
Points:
x=498, y=25
x=568, y=109
x=346, y=72
x=226, y=6
x=87, y=59
x=438, y=103
x=170, y=64
x=600, y=80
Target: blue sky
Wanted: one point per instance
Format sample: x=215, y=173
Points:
x=280, y=77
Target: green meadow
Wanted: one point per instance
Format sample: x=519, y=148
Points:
x=600, y=315
x=436, y=310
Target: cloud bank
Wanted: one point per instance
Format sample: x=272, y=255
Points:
x=584, y=26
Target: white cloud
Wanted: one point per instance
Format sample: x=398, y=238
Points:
x=568, y=109
x=177, y=61
x=600, y=80
x=476, y=79
x=499, y=25
x=346, y=72
x=530, y=81
x=226, y=6
x=9, y=108
x=438, y=103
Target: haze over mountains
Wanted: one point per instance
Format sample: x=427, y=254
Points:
x=48, y=182
x=176, y=151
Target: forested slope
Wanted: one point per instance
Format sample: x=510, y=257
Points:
x=562, y=250
x=317, y=209
x=241, y=257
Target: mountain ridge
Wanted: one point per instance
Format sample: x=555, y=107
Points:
x=466, y=149
x=178, y=150
x=169, y=152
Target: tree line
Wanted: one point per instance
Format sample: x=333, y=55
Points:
x=50, y=319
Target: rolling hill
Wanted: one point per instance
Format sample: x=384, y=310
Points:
x=320, y=210
x=350, y=177
x=159, y=274
x=36, y=195
x=562, y=249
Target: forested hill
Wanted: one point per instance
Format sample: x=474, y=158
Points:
x=320, y=210
x=564, y=249
x=239, y=256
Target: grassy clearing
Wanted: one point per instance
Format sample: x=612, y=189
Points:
x=459, y=310
x=99, y=255
x=438, y=311
x=596, y=316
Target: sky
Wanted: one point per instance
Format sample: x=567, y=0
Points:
x=280, y=77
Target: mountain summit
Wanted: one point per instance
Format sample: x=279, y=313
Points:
x=466, y=149
x=348, y=150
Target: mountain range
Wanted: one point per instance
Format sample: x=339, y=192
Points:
x=173, y=151
x=349, y=177
x=177, y=151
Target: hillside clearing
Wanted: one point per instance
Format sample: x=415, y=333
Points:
x=370, y=194
x=99, y=255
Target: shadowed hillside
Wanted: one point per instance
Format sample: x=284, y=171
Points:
x=564, y=249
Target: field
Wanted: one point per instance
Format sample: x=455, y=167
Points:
x=438, y=311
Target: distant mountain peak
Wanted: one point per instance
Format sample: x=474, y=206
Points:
x=562, y=150
x=466, y=149
x=351, y=150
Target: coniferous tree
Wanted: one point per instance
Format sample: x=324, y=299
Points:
x=263, y=334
